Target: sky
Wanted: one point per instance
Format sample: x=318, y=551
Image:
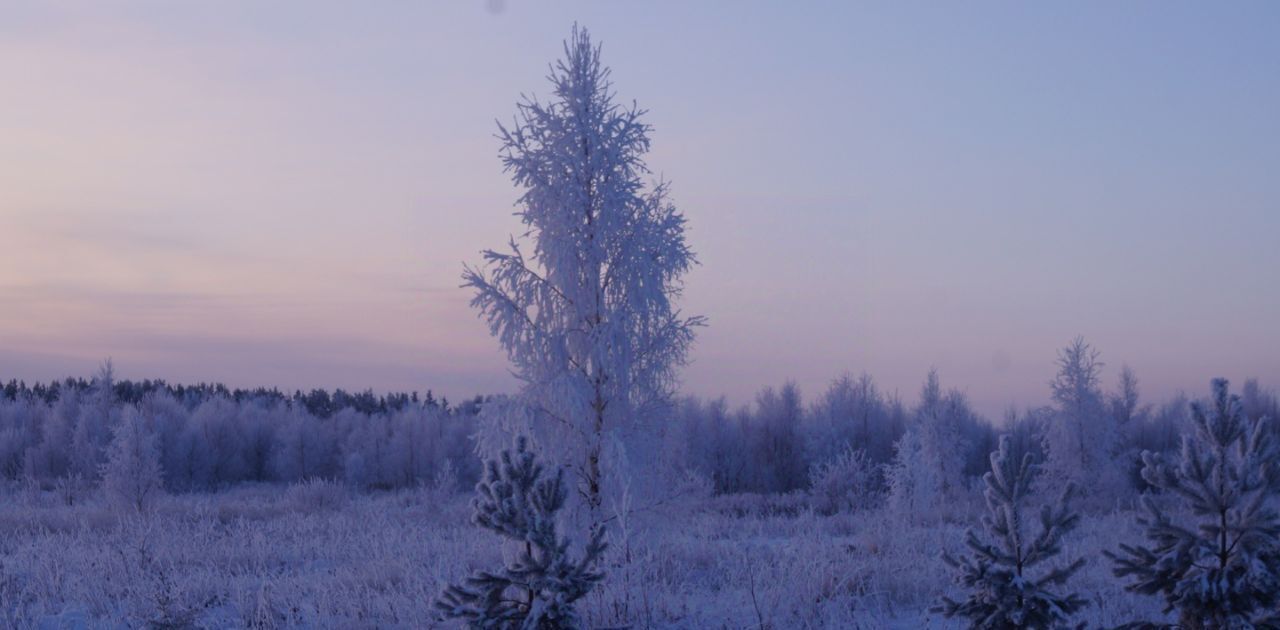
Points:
x=284, y=193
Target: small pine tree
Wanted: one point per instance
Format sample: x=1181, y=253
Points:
x=132, y=477
x=1222, y=570
x=1002, y=591
x=537, y=590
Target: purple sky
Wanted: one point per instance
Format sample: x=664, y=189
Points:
x=284, y=193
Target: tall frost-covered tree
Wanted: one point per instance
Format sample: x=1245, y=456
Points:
x=1007, y=587
x=584, y=303
x=1219, y=568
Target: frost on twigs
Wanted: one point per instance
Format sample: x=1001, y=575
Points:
x=538, y=588
x=132, y=477
x=584, y=302
x=1221, y=567
x=1007, y=587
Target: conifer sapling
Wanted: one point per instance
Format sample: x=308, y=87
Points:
x=539, y=587
x=1220, y=568
x=1006, y=586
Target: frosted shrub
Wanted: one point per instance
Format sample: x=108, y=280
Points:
x=317, y=495
x=1221, y=567
x=538, y=588
x=1006, y=588
x=846, y=483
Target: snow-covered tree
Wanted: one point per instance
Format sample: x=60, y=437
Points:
x=304, y=448
x=217, y=453
x=1130, y=419
x=587, y=315
x=257, y=425
x=853, y=412
x=778, y=448
x=713, y=443
x=1124, y=407
x=1006, y=586
x=132, y=477
x=1219, y=568
x=929, y=459
x=1083, y=441
x=410, y=451
x=50, y=458
x=98, y=414
x=538, y=588
x=911, y=484
x=20, y=422
x=1259, y=402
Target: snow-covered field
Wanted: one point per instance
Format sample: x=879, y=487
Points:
x=271, y=556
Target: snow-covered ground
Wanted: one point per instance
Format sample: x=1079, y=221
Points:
x=319, y=556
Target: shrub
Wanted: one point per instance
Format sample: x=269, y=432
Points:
x=846, y=483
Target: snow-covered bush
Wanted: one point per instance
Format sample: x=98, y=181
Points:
x=317, y=495
x=847, y=483
x=1005, y=586
x=1221, y=567
x=538, y=588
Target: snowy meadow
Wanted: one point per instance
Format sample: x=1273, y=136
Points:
x=320, y=555
x=346, y=511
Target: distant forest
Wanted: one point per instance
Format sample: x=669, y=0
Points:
x=318, y=402
x=853, y=446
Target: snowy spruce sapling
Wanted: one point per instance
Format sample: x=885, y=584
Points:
x=538, y=588
x=1220, y=567
x=1005, y=587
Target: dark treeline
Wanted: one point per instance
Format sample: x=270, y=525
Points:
x=318, y=402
